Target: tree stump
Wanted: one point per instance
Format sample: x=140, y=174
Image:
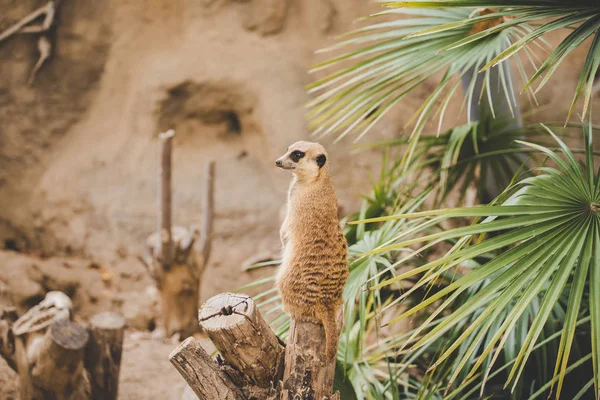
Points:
x=32, y=339
x=202, y=374
x=103, y=354
x=55, y=357
x=56, y=364
x=243, y=338
x=170, y=257
x=308, y=374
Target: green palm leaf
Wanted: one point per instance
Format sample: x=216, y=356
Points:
x=427, y=38
x=550, y=230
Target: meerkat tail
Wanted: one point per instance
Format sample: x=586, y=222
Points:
x=330, y=325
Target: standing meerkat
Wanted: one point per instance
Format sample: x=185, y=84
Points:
x=314, y=268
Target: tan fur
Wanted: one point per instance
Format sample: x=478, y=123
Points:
x=314, y=268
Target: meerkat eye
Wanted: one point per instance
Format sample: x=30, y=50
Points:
x=321, y=159
x=296, y=155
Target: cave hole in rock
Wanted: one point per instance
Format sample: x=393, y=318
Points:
x=11, y=244
x=213, y=110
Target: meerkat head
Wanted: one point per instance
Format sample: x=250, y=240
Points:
x=305, y=159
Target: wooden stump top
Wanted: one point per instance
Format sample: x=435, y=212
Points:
x=224, y=311
x=108, y=321
x=69, y=335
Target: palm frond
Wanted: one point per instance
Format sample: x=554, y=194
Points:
x=385, y=61
x=548, y=235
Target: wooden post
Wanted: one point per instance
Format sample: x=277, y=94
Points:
x=243, y=338
x=170, y=255
x=203, y=375
x=207, y=212
x=103, y=354
x=165, y=254
x=308, y=375
x=56, y=363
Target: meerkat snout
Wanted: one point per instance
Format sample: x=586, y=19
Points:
x=305, y=159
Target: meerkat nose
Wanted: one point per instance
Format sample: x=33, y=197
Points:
x=278, y=163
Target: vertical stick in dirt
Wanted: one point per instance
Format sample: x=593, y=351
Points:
x=164, y=200
x=208, y=202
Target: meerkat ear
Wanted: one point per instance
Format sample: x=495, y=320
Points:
x=321, y=160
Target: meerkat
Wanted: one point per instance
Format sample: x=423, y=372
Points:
x=314, y=266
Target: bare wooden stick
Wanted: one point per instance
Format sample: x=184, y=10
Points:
x=103, y=354
x=202, y=374
x=56, y=306
x=308, y=373
x=164, y=200
x=48, y=10
x=45, y=49
x=243, y=338
x=44, y=45
x=208, y=211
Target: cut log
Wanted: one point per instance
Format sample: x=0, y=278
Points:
x=56, y=363
x=202, y=374
x=103, y=354
x=47, y=350
x=308, y=374
x=243, y=338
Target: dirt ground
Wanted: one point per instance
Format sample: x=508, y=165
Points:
x=79, y=150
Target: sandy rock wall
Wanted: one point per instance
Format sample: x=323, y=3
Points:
x=78, y=149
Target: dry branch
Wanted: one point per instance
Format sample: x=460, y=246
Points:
x=45, y=49
x=48, y=11
x=202, y=374
x=56, y=306
x=103, y=354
